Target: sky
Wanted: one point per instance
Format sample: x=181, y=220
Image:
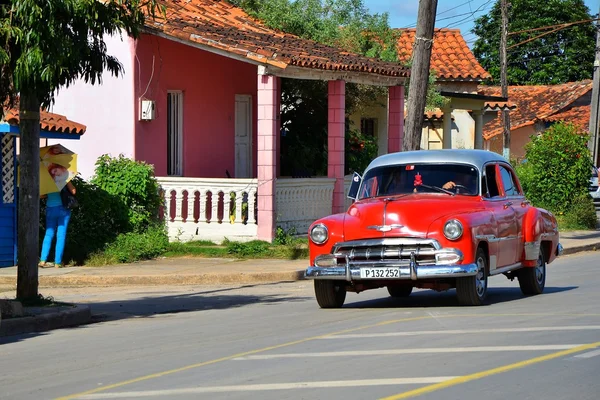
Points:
x=458, y=14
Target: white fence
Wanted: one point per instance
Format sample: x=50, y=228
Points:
x=210, y=208
x=300, y=201
x=214, y=209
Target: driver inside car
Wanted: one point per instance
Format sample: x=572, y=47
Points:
x=461, y=183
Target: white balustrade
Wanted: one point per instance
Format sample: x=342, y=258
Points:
x=301, y=201
x=200, y=208
x=214, y=195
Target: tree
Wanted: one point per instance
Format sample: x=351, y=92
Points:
x=565, y=55
x=47, y=45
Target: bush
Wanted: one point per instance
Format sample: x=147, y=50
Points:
x=98, y=220
x=581, y=214
x=135, y=246
x=557, y=168
x=360, y=151
x=135, y=184
x=245, y=249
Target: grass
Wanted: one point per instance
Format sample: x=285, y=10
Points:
x=296, y=249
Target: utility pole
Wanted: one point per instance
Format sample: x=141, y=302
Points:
x=594, y=113
x=419, y=74
x=503, y=79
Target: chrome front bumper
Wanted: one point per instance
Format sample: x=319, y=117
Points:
x=411, y=272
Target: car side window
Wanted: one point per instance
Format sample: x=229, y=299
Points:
x=491, y=185
x=508, y=181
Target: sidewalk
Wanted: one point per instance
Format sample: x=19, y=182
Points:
x=215, y=271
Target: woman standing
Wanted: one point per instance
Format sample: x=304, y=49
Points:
x=57, y=221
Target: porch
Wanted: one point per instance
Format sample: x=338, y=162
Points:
x=214, y=209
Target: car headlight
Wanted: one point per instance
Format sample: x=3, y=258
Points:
x=319, y=234
x=453, y=229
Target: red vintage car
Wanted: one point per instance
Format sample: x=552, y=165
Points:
x=436, y=219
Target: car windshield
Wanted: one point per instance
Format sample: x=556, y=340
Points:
x=420, y=178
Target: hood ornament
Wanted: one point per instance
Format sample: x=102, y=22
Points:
x=385, y=228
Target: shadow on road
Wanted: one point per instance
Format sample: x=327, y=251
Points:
x=148, y=306
x=430, y=298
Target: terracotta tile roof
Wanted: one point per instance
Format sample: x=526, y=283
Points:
x=220, y=25
x=534, y=103
x=451, y=58
x=579, y=116
x=48, y=121
x=499, y=105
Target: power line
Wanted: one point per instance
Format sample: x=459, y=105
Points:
x=446, y=11
x=563, y=25
x=482, y=7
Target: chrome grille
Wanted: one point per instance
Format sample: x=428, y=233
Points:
x=388, y=251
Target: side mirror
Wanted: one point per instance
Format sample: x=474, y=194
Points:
x=354, y=186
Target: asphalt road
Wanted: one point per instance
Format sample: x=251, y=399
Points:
x=273, y=342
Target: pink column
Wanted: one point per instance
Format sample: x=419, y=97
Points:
x=395, y=118
x=278, y=156
x=335, y=150
x=267, y=103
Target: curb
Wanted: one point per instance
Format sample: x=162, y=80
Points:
x=579, y=249
x=142, y=280
x=78, y=315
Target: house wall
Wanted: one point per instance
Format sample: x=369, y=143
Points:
x=463, y=125
x=379, y=113
x=106, y=109
x=518, y=139
x=209, y=83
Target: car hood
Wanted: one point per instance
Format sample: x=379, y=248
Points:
x=401, y=216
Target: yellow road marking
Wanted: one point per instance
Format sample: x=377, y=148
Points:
x=243, y=354
x=490, y=372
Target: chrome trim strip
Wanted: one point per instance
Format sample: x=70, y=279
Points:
x=506, y=269
x=349, y=273
x=387, y=242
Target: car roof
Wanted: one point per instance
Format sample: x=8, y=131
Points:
x=477, y=158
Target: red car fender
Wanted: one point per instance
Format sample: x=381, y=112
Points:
x=532, y=232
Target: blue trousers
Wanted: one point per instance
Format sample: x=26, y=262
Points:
x=57, y=221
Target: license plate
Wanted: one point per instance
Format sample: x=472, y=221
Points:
x=380, y=272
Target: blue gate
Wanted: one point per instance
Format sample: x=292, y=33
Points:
x=8, y=203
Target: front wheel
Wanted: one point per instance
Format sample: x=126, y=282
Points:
x=533, y=280
x=472, y=290
x=330, y=294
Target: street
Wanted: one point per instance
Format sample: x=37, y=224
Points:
x=272, y=342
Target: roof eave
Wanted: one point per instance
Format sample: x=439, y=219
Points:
x=284, y=70
x=295, y=72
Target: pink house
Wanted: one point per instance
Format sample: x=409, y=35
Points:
x=200, y=100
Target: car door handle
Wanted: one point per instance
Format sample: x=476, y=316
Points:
x=508, y=204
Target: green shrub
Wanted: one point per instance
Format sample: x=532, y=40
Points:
x=253, y=248
x=581, y=214
x=135, y=184
x=98, y=220
x=136, y=246
x=284, y=237
x=360, y=151
x=557, y=168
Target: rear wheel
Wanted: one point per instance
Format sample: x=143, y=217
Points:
x=472, y=290
x=399, y=291
x=533, y=280
x=330, y=294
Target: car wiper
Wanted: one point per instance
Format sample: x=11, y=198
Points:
x=439, y=189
